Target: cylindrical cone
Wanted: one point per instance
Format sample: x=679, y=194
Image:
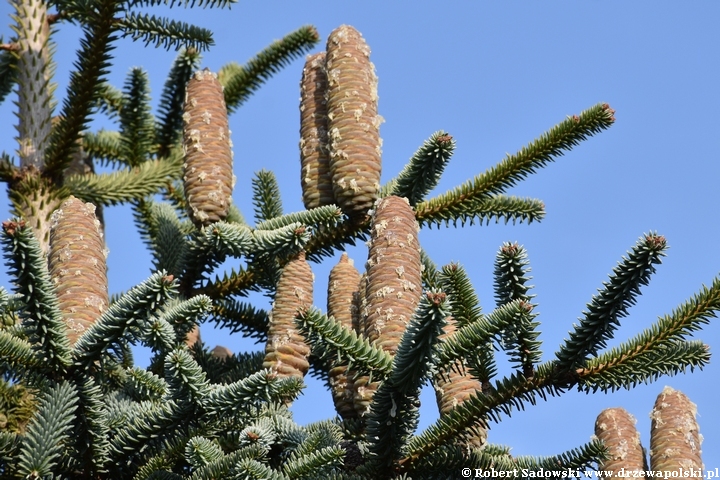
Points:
x=363, y=390
x=616, y=428
x=455, y=385
x=286, y=352
x=394, y=283
x=353, y=122
x=221, y=353
x=315, y=176
x=394, y=272
x=77, y=264
x=208, y=169
x=342, y=287
x=193, y=336
x=674, y=433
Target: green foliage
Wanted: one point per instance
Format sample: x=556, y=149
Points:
x=86, y=411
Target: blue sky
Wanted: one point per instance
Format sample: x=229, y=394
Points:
x=496, y=76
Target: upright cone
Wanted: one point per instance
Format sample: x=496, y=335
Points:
x=315, y=178
x=77, y=264
x=286, y=352
x=616, y=428
x=208, y=168
x=342, y=287
x=455, y=385
x=394, y=282
x=353, y=122
x=674, y=433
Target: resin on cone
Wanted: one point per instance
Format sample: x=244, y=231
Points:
x=353, y=122
x=208, y=168
x=342, y=287
x=286, y=352
x=455, y=385
x=77, y=265
x=674, y=433
x=315, y=178
x=616, y=428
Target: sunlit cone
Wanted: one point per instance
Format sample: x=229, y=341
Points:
x=77, y=264
x=315, y=175
x=353, y=122
x=616, y=428
x=363, y=390
x=674, y=434
x=455, y=385
x=286, y=352
x=342, y=287
x=394, y=283
x=394, y=272
x=221, y=353
x=208, y=168
x=193, y=336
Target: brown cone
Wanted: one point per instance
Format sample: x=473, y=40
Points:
x=353, y=122
x=208, y=168
x=315, y=176
x=394, y=283
x=221, y=353
x=286, y=352
x=77, y=265
x=362, y=390
x=616, y=428
x=342, y=287
x=455, y=385
x=193, y=336
x=674, y=434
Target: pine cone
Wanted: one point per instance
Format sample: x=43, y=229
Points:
x=353, y=122
x=315, y=176
x=674, y=434
x=286, y=352
x=363, y=390
x=616, y=428
x=455, y=385
x=77, y=264
x=208, y=168
x=342, y=286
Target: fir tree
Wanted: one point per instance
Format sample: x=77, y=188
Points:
x=75, y=404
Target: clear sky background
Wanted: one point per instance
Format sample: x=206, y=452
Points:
x=496, y=76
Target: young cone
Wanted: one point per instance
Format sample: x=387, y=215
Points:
x=394, y=280
x=353, y=122
x=674, y=433
x=363, y=390
x=315, y=176
x=616, y=428
x=77, y=264
x=286, y=352
x=208, y=168
x=455, y=385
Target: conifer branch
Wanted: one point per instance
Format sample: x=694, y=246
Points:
x=266, y=196
x=48, y=431
x=164, y=234
x=41, y=313
x=165, y=33
x=323, y=218
x=240, y=317
x=185, y=377
x=17, y=351
x=334, y=342
x=125, y=319
x=394, y=414
x=325, y=242
x=91, y=439
x=141, y=385
x=110, y=100
x=136, y=121
x=481, y=210
x=670, y=358
x=125, y=185
x=8, y=72
x=103, y=146
x=464, y=303
x=183, y=3
x=248, y=393
x=235, y=283
x=511, y=275
x=242, y=81
x=8, y=170
x=611, y=303
x=514, y=168
x=170, y=109
x=421, y=175
x=84, y=88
